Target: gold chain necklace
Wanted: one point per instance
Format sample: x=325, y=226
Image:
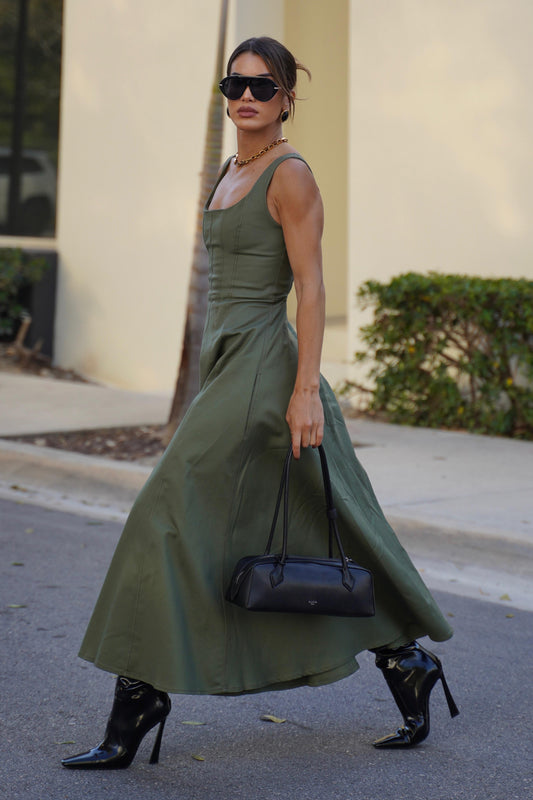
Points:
x=244, y=161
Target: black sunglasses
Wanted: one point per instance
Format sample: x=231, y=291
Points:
x=234, y=86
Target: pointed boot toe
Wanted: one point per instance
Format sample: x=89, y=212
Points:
x=100, y=757
x=414, y=732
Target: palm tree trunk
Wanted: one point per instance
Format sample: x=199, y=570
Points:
x=188, y=380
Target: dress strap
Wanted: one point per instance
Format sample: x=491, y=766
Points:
x=260, y=188
x=269, y=171
x=221, y=174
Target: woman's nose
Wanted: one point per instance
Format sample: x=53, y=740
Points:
x=247, y=94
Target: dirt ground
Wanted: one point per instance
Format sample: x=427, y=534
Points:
x=10, y=363
x=123, y=444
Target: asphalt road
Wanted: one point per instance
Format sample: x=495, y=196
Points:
x=53, y=704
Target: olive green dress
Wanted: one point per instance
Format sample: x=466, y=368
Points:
x=162, y=616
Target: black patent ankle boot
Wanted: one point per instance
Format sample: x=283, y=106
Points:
x=137, y=708
x=411, y=673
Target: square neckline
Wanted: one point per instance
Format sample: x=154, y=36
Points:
x=223, y=172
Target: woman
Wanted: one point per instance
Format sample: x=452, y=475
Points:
x=162, y=622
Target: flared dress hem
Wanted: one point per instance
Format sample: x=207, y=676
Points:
x=313, y=679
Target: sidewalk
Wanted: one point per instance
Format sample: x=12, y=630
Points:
x=31, y=404
x=462, y=505
x=458, y=481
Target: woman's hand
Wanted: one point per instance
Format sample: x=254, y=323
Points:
x=305, y=418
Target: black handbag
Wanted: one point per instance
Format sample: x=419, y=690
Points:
x=303, y=584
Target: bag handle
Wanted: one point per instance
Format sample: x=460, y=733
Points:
x=331, y=512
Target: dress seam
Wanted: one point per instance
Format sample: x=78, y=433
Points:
x=234, y=512
x=139, y=588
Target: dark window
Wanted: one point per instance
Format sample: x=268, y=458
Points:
x=30, y=72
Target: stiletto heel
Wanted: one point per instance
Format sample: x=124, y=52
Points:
x=154, y=758
x=137, y=708
x=411, y=673
x=449, y=699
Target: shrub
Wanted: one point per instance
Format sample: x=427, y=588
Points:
x=451, y=351
x=17, y=271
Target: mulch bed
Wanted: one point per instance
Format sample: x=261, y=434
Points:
x=34, y=366
x=123, y=444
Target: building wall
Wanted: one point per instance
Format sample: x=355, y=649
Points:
x=318, y=34
x=441, y=125
x=418, y=126
x=136, y=81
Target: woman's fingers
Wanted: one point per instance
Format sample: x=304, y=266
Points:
x=305, y=418
x=319, y=433
x=296, y=439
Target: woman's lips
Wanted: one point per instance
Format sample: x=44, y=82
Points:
x=246, y=111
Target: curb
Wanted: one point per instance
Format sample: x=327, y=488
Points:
x=462, y=560
x=70, y=481
x=107, y=488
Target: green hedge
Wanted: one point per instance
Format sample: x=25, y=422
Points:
x=451, y=351
x=17, y=271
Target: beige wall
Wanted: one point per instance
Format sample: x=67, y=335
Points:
x=136, y=82
x=441, y=174
x=317, y=33
x=429, y=102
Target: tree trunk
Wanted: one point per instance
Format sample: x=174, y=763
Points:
x=188, y=379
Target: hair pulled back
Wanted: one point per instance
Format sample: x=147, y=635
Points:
x=280, y=62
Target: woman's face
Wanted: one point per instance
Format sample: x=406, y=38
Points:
x=250, y=114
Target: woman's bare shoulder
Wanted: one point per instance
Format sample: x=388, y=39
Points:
x=294, y=195
x=293, y=177
x=294, y=165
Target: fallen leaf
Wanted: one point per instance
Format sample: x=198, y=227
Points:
x=17, y=605
x=272, y=718
x=505, y=597
x=18, y=488
x=68, y=741
x=29, y=530
x=94, y=522
x=449, y=614
x=198, y=758
x=509, y=616
x=192, y=722
x=17, y=563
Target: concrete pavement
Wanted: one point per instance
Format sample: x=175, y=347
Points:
x=29, y=404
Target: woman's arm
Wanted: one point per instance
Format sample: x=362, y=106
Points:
x=298, y=205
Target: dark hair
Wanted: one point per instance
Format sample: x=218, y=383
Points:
x=280, y=62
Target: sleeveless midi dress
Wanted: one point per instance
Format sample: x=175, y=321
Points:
x=162, y=616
